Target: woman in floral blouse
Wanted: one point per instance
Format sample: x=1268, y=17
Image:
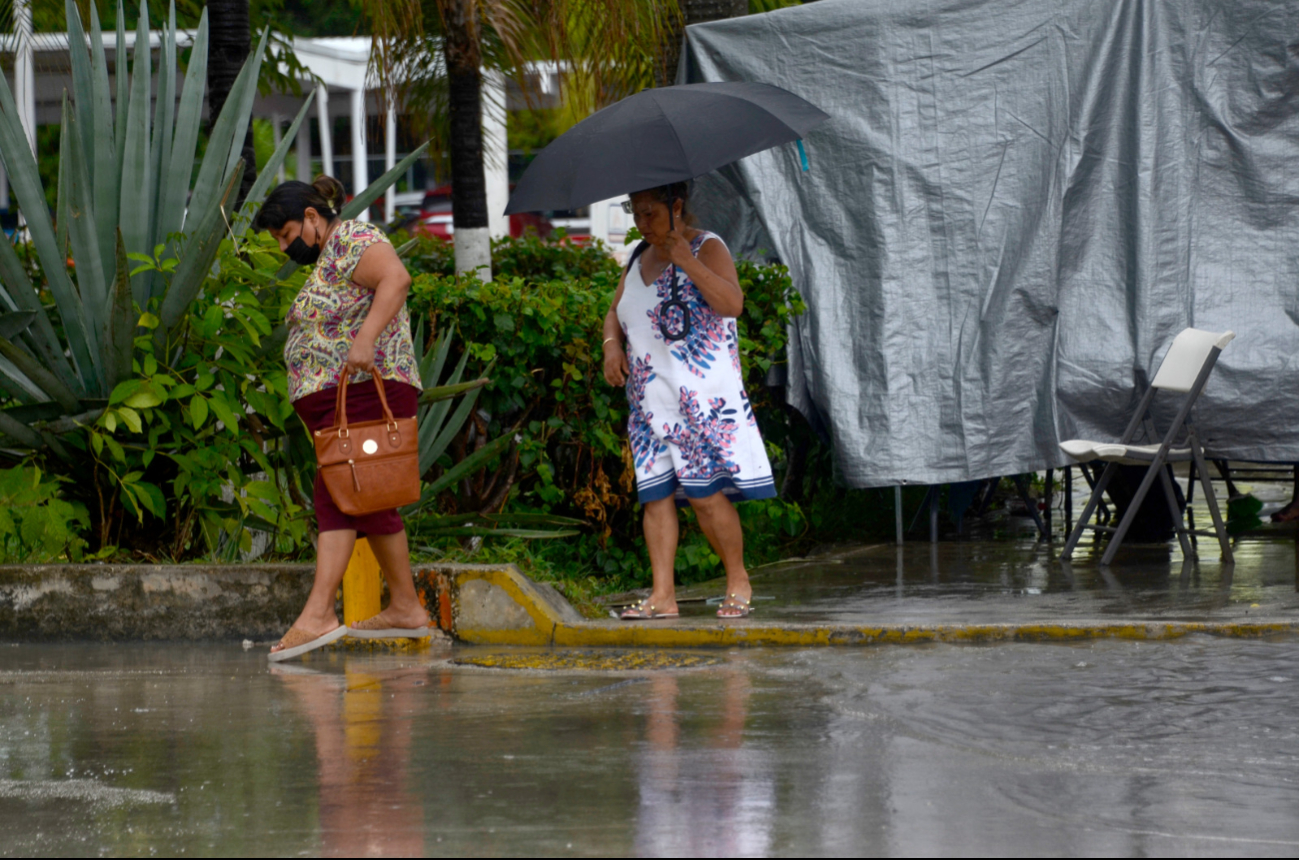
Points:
x=349, y=317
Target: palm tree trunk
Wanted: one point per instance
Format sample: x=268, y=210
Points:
x=229, y=40
x=693, y=12
x=461, y=35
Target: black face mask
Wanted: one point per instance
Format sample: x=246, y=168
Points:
x=302, y=253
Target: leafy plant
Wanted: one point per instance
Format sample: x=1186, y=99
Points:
x=141, y=237
x=124, y=185
x=36, y=524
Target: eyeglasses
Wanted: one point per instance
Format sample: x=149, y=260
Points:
x=626, y=207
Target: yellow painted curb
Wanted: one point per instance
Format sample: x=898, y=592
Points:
x=498, y=605
x=809, y=635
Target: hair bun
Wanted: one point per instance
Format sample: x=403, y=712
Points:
x=330, y=189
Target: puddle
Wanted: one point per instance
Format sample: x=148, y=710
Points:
x=1106, y=747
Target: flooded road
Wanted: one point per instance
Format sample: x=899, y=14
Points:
x=1107, y=747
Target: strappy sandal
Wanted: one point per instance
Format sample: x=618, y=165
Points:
x=735, y=606
x=298, y=641
x=645, y=611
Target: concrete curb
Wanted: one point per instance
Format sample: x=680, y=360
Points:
x=489, y=605
x=476, y=604
x=150, y=602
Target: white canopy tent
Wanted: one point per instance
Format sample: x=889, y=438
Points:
x=41, y=71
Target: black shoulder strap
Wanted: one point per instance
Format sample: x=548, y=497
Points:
x=640, y=249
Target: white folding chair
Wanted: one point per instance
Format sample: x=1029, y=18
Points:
x=1185, y=369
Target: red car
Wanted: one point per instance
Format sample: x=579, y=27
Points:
x=435, y=219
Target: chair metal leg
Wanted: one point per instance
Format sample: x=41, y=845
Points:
x=897, y=511
x=1218, y=525
x=1046, y=513
x=1022, y=486
x=1179, y=524
x=1103, y=511
x=1224, y=469
x=1068, y=499
x=1085, y=518
x=924, y=506
x=933, y=516
x=1128, y=518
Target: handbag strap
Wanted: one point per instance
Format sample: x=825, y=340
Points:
x=340, y=402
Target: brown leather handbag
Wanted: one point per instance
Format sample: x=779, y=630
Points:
x=371, y=465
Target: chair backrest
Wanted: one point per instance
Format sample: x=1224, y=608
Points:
x=1190, y=350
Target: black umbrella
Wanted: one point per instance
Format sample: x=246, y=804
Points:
x=657, y=137
x=661, y=136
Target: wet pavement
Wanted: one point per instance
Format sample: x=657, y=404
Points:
x=991, y=582
x=1003, y=574
x=1105, y=747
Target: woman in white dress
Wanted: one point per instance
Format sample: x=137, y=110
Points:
x=693, y=435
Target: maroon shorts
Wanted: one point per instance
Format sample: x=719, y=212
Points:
x=317, y=412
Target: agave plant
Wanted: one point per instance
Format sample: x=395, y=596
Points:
x=124, y=194
x=438, y=426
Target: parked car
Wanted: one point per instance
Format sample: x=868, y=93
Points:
x=432, y=217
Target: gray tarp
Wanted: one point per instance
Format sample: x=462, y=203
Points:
x=1017, y=205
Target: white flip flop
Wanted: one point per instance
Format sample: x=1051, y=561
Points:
x=391, y=633
x=310, y=645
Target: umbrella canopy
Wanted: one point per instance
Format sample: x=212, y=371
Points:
x=659, y=136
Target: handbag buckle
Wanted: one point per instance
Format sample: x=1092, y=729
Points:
x=343, y=433
x=392, y=426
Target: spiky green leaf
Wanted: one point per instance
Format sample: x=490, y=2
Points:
x=24, y=179
x=137, y=177
x=189, y=116
x=222, y=142
x=32, y=369
x=119, y=336
x=15, y=323
x=447, y=392
x=200, y=252
x=84, y=239
x=463, y=469
x=103, y=156
x=258, y=192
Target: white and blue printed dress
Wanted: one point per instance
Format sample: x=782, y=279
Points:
x=692, y=430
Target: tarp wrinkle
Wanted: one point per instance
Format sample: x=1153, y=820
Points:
x=1014, y=209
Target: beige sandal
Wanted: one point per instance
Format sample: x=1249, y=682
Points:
x=298, y=641
x=371, y=628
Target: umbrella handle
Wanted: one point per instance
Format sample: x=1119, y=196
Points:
x=675, y=301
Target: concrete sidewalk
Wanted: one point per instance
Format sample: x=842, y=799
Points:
x=952, y=592
x=963, y=591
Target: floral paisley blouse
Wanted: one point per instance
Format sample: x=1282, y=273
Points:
x=327, y=314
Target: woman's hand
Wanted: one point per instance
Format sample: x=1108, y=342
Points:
x=676, y=247
x=361, y=357
x=615, y=364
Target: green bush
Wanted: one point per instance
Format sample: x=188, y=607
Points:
x=36, y=524
x=200, y=447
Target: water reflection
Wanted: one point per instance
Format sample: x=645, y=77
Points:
x=711, y=796
x=362, y=723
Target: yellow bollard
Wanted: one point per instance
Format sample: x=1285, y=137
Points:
x=361, y=584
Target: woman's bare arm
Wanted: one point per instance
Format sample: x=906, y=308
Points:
x=380, y=270
x=615, y=353
x=713, y=273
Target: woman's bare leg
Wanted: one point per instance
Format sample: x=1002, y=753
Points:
x=661, y=533
x=404, y=609
x=333, y=551
x=721, y=525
